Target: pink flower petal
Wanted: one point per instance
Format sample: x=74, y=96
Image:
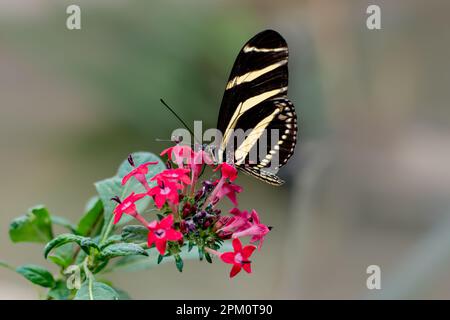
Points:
x=232, y=197
x=130, y=210
x=161, y=245
x=153, y=225
x=150, y=239
x=255, y=216
x=247, y=251
x=247, y=267
x=173, y=235
x=235, y=270
x=167, y=222
x=159, y=201
x=167, y=151
x=227, y=257
x=127, y=177
x=117, y=217
x=237, y=245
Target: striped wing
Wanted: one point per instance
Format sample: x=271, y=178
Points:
x=255, y=100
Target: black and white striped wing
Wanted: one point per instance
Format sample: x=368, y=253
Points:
x=255, y=100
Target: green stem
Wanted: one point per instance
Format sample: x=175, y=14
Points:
x=7, y=266
x=89, y=234
x=90, y=278
x=108, y=231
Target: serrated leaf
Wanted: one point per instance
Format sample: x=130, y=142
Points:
x=35, y=226
x=122, y=249
x=134, y=233
x=112, y=187
x=90, y=223
x=37, y=275
x=84, y=242
x=93, y=290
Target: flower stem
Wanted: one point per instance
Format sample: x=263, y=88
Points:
x=141, y=219
x=212, y=251
x=174, y=209
x=108, y=230
x=213, y=194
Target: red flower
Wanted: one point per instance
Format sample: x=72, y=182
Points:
x=239, y=222
x=178, y=154
x=238, y=258
x=138, y=172
x=161, y=232
x=257, y=230
x=228, y=171
x=197, y=161
x=163, y=192
x=173, y=176
x=126, y=206
x=229, y=190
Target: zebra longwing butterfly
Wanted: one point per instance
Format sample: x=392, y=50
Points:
x=255, y=99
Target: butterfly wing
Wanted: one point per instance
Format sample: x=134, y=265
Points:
x=255, y=100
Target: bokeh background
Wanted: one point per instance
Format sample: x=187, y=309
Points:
x=370, y=179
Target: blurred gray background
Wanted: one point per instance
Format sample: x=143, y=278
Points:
x=370, y=179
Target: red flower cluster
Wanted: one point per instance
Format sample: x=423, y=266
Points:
x=187, y=208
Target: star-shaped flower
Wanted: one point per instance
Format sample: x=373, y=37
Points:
x=161, y=232
x=126, y=206
x=239, y=258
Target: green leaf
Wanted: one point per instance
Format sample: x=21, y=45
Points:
x=6, y=265
x=63, y=222
x=93, y=290
x=84, y=242
x=201, y=253
x=59, y=291
x=135, y=233
x=35, y=226
x=63, y=255
x=123, y=249
x=36, y=274
x=123, y=295
x=160, y=258
x=112, y=239
x=90, y=223
x=179, y=263
x=138, y=263
x=208, y=257
x=111, y=187
x=80, y=257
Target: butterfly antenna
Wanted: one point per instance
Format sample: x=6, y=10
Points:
x=178, y=117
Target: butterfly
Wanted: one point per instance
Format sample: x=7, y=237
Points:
x=255, y=100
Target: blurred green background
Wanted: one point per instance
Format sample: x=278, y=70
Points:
x=370, y=180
